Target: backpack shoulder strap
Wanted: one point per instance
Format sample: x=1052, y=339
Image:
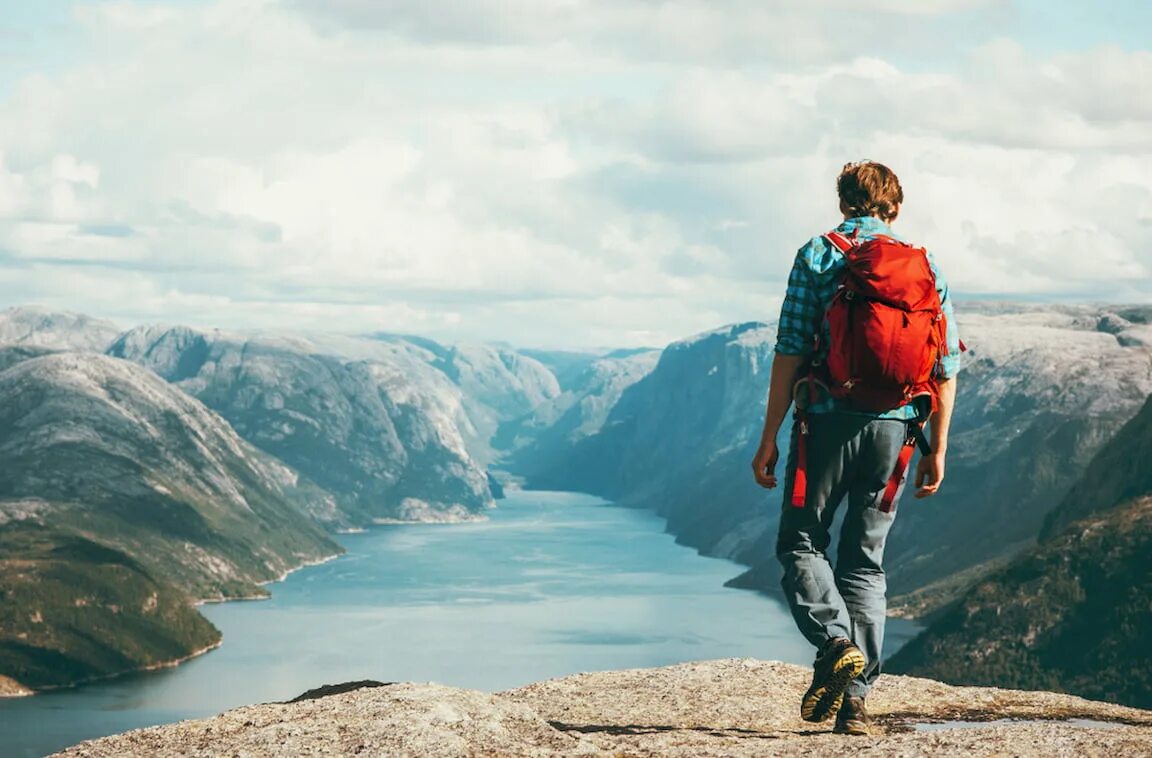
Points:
x=840, y=242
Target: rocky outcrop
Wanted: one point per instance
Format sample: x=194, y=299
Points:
x=1074, y=613
x=726, y=708
x=372, y=423
x=32, y=326
x=122, y=500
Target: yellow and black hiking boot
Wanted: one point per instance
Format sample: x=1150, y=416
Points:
x=852, y=717
x=838, y=663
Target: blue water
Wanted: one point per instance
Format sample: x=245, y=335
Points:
x=554, y=583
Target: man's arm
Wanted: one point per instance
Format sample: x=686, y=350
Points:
x=930, y=469
x=800, y=315
x=784, y=371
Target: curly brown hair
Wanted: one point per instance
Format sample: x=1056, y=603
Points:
x=867, y=188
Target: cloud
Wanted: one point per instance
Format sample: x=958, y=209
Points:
x=734, y=31
x=548, y=172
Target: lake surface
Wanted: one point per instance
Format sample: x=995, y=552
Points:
x=552, y=584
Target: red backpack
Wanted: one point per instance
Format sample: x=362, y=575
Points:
x=886, y=336
x=886, y=326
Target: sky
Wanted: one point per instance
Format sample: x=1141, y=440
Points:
x=555, y=173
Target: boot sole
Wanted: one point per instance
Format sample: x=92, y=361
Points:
x=823, y=702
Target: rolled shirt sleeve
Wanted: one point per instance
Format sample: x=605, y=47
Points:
x=803, y=310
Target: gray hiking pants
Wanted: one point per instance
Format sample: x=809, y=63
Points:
x=848, y=455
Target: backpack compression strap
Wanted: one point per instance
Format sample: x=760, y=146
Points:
x=800, y=478
x=898, y=475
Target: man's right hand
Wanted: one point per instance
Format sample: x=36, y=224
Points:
x=929, y=475
x=764, y=464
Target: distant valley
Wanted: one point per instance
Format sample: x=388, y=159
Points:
x=122, y=446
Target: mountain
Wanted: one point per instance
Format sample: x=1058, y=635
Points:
x=566, y=365
x=736, y=708
x=57, y=330
x=372, y=423
x=1074, y=613
x=496, y=384
x=1041, y=392
x=1043, y=388
x=122, y=500
x=533, y=443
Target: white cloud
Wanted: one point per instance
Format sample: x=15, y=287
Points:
x=556, y=172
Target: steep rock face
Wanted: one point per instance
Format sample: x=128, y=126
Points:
x=1074, y=613
x=58, y=330
x=1042, y=391
x=677, y=440
x=496, y=384
x=1121, y=471
x=539, y=439
x=380, y=431
x=121, y=498
x=730, y=708
x=567, y=366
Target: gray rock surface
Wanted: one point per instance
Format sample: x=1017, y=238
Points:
x=370, y=422
x=58, y=330
x=740, y=707
x=102, y=441
x=535, y=442
x=496, y=384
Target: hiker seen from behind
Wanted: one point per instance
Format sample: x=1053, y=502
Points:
x=868, y=351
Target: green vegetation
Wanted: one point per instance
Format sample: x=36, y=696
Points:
x=1073, y=614
x=72, y=609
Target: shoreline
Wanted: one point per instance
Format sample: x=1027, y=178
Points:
x=21, y=690
x=158, y=666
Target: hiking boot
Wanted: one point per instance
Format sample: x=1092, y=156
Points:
x=852, y=718
x=838, y=663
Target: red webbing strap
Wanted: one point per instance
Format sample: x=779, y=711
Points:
x=897, y=478
x=800, y=478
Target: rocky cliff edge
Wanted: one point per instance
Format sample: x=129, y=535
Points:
x=737, y=707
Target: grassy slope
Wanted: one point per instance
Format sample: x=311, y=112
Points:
x=72, y=610
x=1075, y=612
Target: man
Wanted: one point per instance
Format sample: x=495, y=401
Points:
x=845, y=451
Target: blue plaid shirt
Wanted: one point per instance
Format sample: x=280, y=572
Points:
x=812, y=284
